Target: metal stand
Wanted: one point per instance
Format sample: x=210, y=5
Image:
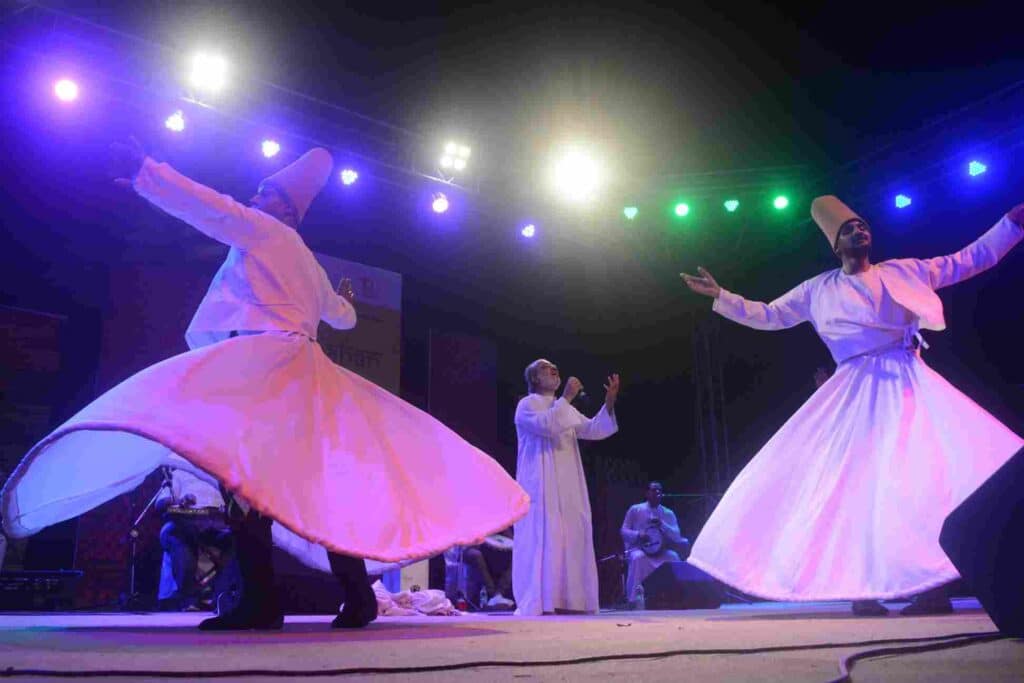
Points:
x=132, y=601
x=709, y=411
x=621, y=557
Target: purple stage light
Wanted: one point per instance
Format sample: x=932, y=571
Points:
x=349, y=176
x=440, y=203
x=270, y=148
x=66, y=90
x=529, y=230
x=176, y=121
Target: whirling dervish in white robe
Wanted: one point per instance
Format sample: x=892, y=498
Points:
x=553, y=562
x=847, y=499
x=256, y=405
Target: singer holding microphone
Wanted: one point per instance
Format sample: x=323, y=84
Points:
x=553, y=562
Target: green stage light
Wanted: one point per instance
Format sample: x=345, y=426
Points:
x=630, y=212
x=781, y=202
x=682, y=209
x=731, y=205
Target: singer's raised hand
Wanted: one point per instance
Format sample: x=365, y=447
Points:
x=702, y=283
x=572, y=387
x=611, y=392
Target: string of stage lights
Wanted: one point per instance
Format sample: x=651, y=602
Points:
x=577, y=175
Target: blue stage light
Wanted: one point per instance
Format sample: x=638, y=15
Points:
x=440, y=203
x=66, y=90
x=270, y=148
x=902, y=201
x=176, y=121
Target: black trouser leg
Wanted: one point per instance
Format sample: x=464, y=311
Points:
x=360, y=602
x=259, y=607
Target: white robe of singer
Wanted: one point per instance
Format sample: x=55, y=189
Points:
x=553, y=563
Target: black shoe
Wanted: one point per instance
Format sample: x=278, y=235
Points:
x=869, y=608
x=359, y=610
x=243, y=618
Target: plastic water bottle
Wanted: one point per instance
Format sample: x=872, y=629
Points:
x=639, y=602
x=483, y=597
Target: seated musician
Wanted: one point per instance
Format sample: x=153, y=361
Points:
x=651, y=536
x=492, y=562
x=192, y=511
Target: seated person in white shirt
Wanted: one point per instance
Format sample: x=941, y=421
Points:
x=193, y=518
x=649, y=532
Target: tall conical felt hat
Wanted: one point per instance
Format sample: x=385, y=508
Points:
x=302, y=180
x=830, y=214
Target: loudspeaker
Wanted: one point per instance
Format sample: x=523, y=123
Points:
x=983, y=539
x=679, y=585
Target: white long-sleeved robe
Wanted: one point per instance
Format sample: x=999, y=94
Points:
x=847, y=499
x=270, y=280
x=553, y=562
x=338, y=460
x=637, y=521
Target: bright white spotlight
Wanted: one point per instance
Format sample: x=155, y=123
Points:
x=440, y=203
x=66, y=90
x=577, y=175
x=176, y=121
x=271, y=148
x=455, y=157
x=348, y=176
x=209, y=72
x=529, y=230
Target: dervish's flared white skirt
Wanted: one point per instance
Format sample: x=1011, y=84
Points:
x=333, y=457
x=847, y=499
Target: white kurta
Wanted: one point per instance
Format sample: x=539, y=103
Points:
x=638, y=520
x=847, y=499
x=335, y=458
x=553, y=562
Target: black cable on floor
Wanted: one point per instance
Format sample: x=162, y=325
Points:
x=962, y=640
x=139, y=673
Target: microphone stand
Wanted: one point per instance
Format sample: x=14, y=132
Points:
x=132, y=599
x=621, y=557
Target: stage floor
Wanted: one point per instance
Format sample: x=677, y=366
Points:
x=153, y=647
